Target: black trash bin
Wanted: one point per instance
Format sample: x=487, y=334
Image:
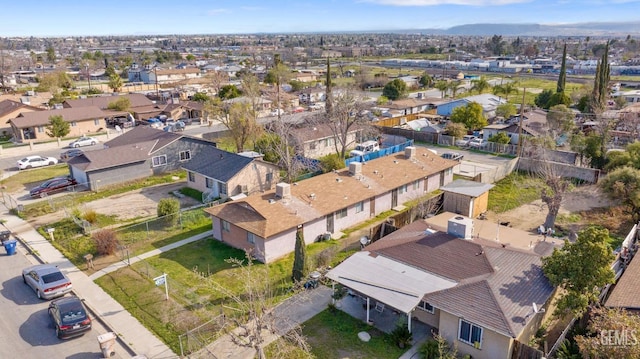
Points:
x=5, y=235
x=10, y=246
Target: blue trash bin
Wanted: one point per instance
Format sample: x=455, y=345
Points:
x=10, y=246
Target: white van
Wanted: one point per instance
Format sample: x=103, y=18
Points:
x=365, y=147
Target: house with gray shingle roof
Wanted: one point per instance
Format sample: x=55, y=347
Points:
x=138, y=153
x=32, y=126
x=266, y=223
x=477, y=292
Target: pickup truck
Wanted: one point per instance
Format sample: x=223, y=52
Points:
x=365, y=147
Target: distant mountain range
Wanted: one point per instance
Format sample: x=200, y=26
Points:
x=577, y=29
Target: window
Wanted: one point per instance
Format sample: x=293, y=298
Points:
x=192, y=176
x=449, y=171
x=416, y=184
x=426, y=307
x=96, y=122
x=313, y=145
x=470, y=334
x=223, y=188
x=159, y=160
x=341, y=213
x=251, y=238
x=40, y=129
x=208, y=182
x=269, y=177
x=185, y=155
x=74, y=124
x=359, y=207
x=226, y=226
x=402, y=189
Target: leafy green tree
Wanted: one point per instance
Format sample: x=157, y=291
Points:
x=593, y=150
x=51, y=54
x=623, y=185
x=190, y=57
x=542, y=99
x=629, y=157
x=332, y=161
x=470, y=115
x=581, y=269
x=500, y=137
x=480, y=85
x=169, y=210
x=443, y=86
x=558, y=98
x=395, y=89
x=115, y=82
x=110, y=71
x=506, y=110
x=58, y=127
x=426, y=80
x=602, y=321
x=200, y=97
x=300, y=258
x=297, y=85
x=382, y=100
x=228, y=92
x=121, y=104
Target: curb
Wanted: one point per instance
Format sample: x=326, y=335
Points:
x=102, y=321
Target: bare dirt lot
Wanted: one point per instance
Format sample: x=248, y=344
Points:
x=135, y=204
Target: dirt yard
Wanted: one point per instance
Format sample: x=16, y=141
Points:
x=530, y=216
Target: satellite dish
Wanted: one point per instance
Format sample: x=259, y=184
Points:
x=364, y=240
x=537, y=310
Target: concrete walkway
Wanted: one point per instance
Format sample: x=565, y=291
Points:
x=131, y=334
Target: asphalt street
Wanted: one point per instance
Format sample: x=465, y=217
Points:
x=25, y=329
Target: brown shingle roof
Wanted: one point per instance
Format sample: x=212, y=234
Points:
x=335, y=191
x=41, y=118
x=102, y=102
x=9, y=106
x=140, y=134
x=626, y=293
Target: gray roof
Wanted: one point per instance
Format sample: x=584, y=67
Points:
x=112, y=157
x=103, y=102
x=41, y=118
x=215, y=163
x=140, y=134
x=467, y=188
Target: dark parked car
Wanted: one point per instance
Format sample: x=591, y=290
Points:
x=51, y=186
x=69, y=317
x=68, y=154
x=455, y=156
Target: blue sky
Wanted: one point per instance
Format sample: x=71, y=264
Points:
x=139, y=17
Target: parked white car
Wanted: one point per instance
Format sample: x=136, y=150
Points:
x=84, y=141
x=36, y=161
x=478, y=143
x=464, y=141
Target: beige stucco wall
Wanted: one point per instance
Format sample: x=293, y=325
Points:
x=428, y=318
x=253, y=176
x=76, y=129
x=494, y=345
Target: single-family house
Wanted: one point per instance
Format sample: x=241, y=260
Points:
x=156, y=75
x=263, y=106
x=534, y=124
x=32, y=126
x=480, y=294
x=305, y=76
x=138, y=153
x=141, y=107
x=10, y=109
x=488, y=102
x=312, y=95
x=409, y=106
x=315, y=141
x=223, y=175
x=322, y=206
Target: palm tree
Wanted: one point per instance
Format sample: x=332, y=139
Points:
x=443, y=86
x=506, y=89
x=480, y=85
x=454, y=86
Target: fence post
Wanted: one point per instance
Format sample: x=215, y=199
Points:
x=147, y=224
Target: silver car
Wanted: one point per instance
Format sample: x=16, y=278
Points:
x=47, y=281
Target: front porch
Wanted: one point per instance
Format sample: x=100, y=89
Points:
x=382, y=317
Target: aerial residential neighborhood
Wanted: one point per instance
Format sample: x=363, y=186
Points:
x=302, y=184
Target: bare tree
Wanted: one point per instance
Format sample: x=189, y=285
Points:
x=255, y=317
x=554, y=189
x=348, y=114
x=217, y=79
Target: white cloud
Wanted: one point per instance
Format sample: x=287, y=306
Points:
x=448, y=2
x=214, y=12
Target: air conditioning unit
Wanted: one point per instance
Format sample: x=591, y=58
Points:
x=461, y=227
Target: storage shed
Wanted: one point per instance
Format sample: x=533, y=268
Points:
x=465, y=197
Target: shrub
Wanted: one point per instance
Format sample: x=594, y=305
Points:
x=331, y=162
x=401, y=335
x=326, y=256
x=106, y=241
x=168, y=209
x=430, y=349
x=90, y=216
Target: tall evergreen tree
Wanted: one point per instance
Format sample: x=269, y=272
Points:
x=562, y=78
x=601, y=83
x=300, y=259
x=329, y=101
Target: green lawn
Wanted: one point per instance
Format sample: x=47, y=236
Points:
x=334, y=334
x=514, y=191
x=28, y=178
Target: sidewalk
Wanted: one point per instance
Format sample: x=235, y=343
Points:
x=34, y=148
x=130, y=332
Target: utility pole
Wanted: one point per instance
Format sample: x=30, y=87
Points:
x=524, y=91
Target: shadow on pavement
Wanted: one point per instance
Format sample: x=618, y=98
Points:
x=15, y=290
x=85, y=355
x=38, y=330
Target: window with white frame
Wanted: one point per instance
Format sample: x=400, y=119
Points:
x=426, y=307
x=192, y=176
x=470, y=333
x=74, y=124
x=402, y=189
x=341, y=213
x=185, y=155
x=159, y=160
x=40, y=129
x=96, y=122
x=359, y=207
x=416, y=184
x=226, y=226
x=208, y=182
x=223, y=188
x=251, y=238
